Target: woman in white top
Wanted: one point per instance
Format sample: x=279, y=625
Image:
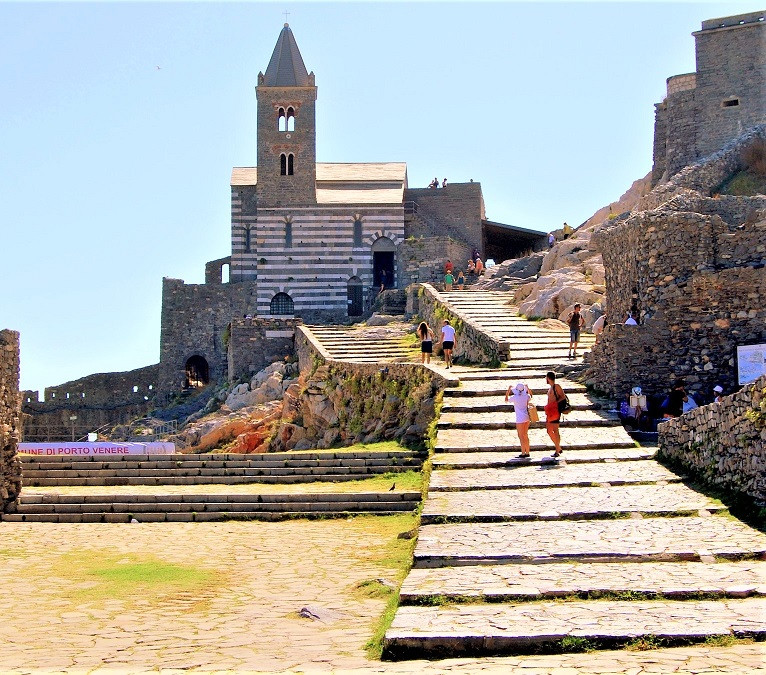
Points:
x=520, y=396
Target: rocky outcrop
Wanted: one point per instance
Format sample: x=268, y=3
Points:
x=10, y=406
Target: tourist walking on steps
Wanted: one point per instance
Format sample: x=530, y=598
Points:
x=576, y=323
x=460, y=280
x=448, y=342
x=552, y=414
x=427, y=338
x=448, y=281
x=520, y=397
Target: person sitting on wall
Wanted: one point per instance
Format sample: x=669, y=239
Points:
x=444, y=183
x=717, y=393
x=630, y=321
x=474, y=254
x=598, y=327
x=479, y=267
x=471, y=269
x=633, y=410
x=689, y=404
x=673, y=405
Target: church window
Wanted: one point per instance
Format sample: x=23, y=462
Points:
x=247, y=240
x=281, y=305
x=288, y=235
x=281, y=120
x=357, y=232
x=283, y=164
x=290, y=119
x=290, y=164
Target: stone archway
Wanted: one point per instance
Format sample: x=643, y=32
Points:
x=383, y=267
x=197, y=373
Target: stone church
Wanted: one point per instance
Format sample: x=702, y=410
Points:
x=315, y=241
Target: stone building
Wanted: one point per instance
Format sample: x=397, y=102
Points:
x=721, y=100
x=313, y=240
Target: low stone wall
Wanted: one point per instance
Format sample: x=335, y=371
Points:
x=255, y=343
x=10, y=468
x=473, y=344
x=724, y=443
x=338, y=403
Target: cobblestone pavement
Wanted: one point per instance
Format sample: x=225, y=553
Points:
x=508, y=417
x=567, y=502
x=467, y=440
x=736, y=579
x=649, y=538
x=551, y=475
x=472, y=402
x=496, y=387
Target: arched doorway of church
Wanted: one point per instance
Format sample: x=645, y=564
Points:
x=355, y=297
x=383, y=251
x=197, y=372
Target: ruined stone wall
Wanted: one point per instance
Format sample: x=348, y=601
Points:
x=10, y=468
x=422, y=259
x=723, y=444
x=194, y=319
x=96, y=400
x=256, y=343
x=699, y=287
x=473, y=344
x=459, y=206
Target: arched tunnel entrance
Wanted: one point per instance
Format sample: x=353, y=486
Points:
x=197, y=373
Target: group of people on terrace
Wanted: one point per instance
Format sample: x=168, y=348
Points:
x=474, y=269
x=435, y=183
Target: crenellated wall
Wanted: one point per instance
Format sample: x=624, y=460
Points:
x=10, y=468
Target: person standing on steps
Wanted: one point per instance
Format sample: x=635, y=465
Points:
x=520, y=398
x=460, y=280
x=427, y=337
x=576, y=323
x=448, y=281
x=552, y=414
x=448, y=342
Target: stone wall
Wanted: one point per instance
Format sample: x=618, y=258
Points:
x=422, y=259
x=459, y=207
x=698, y=286
x=96, y=400
x=339, y=404
x=194, y=319
x=256, y=343
x=724, y=443
x=473, y=344
x=10, y=468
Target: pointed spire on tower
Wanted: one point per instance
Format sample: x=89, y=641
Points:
x=286, y=67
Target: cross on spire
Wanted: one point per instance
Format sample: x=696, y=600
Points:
x=286, y=13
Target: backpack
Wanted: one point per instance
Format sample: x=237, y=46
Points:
x=563, y=403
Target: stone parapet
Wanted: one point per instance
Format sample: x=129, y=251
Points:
x=10, y=468
x=473, y=344
x=723, y=444
x=255, y=343
x=422, y=259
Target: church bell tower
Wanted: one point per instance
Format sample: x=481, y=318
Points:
x=286, y=96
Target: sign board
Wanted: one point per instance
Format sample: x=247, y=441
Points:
x=96, y=449
x=751, y=362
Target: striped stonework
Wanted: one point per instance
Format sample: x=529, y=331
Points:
x=315, y=267
x=244, y=260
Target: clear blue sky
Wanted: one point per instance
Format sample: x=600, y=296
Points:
x=115, y=173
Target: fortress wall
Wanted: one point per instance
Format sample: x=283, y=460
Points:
x=723, y=444
x=256, y=343
x=194, y=319
x=10, y=468
x=460, y=206
x=422, y=260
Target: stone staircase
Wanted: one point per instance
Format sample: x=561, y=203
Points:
x=219, y=469
x=605, y=548
x=354, y=344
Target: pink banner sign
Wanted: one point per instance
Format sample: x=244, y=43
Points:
x=96, y=449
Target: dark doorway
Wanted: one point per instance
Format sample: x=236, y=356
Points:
x=383, y=263
x=355, y=296
x=197, y=372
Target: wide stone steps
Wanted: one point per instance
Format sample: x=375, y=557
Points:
x=503, y=440
x=507, y=419
x=559, y=503
x=218, y=506
x=645, y=539
x=493, y=403
x=505, y=583
x=527, y=475
x=498, y=387
x=520, y=628
x=467, y=459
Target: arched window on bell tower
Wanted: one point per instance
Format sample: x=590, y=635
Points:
x=281, y=120
x=290, y=164
x=291, y=119
x=283, y=164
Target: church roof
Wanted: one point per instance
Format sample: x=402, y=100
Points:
x=357, y=183
x=286, y=68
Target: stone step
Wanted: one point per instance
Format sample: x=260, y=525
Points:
x=498, y=386
x=482, y=459
x=492, y=403
x=500, y=440
x=507, y=419
x=622, y=540
x=527, y=475
x=187, y=517
x=506, y=374
x=486, y=629
x=506, y=583
x=565, y=503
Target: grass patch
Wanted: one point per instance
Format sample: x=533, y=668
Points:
x=572, y=643
x=645, y=643
x=94, y=577
x=744, y=184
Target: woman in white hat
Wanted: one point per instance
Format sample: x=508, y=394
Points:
x=718, y=391
x=520, y=397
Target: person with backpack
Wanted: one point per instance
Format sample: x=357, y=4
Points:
x=557, y=403
x=576, y=323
